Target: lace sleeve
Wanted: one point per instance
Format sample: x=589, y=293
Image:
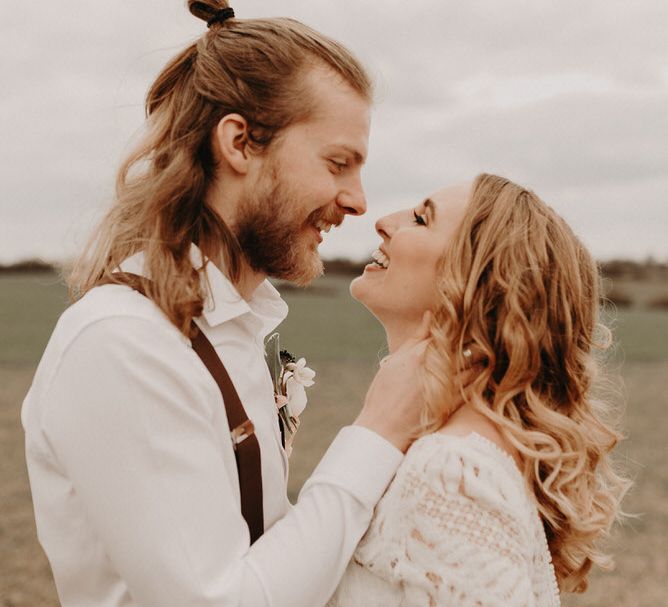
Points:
x=456, y=524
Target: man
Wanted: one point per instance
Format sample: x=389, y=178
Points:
x=255, y=140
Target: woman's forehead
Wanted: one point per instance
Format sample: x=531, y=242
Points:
x=452, y=198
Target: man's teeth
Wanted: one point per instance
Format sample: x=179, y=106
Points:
x=323, y=226
x=380, y=258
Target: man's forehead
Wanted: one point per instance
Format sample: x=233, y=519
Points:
x=339, y=118
x=329, y=90
x=324, y=78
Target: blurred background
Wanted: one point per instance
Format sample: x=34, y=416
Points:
x=567, y=98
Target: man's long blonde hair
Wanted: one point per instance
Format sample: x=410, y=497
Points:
x=253, y=67
x=519, y=287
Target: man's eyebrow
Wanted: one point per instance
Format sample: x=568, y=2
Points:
x=431, y=207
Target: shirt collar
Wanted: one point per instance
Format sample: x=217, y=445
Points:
x=222, y=301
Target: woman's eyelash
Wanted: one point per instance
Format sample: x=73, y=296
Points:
x=419, y=219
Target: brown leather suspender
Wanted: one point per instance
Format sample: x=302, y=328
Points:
x=244, y=441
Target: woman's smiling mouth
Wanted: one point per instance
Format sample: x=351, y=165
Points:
x=380, y=259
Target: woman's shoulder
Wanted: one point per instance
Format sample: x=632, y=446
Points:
x=463, y=465
x=466, y=421
x=468, y=440
x=455, y=499
x=454, y=458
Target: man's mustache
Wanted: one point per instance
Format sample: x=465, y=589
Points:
x=336, y=219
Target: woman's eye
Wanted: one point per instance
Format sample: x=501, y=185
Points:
x=419, y=219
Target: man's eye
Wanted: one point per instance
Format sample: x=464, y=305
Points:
x=419, y=219
x=338, y=164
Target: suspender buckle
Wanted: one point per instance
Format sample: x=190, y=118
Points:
x=241, y=433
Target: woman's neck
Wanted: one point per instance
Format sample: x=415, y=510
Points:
x=399, y=331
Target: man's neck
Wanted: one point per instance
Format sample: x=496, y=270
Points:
x=249, y=281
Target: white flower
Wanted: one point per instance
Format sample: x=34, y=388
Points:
x=297, y=377
x=302, y=374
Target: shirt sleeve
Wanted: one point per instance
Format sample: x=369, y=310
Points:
x=134, y=434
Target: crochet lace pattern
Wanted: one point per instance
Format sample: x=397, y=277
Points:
x=456, y=528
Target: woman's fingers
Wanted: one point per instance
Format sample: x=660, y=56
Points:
x=424, y=330
x=465, y=377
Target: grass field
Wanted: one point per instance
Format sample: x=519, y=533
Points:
x=343, y=343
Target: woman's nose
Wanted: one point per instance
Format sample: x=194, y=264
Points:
x=384, y=227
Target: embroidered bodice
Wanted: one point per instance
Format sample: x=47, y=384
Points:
x=456, y=528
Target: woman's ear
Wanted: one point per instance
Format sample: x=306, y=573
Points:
x=231, y=137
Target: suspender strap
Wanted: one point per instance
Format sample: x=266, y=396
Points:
x=244, y=441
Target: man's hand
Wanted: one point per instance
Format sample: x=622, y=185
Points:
x=394, y=401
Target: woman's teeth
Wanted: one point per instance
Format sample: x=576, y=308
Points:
x=380, y=258
x=323, y=226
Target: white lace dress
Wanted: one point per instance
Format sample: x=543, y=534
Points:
x=456, y=528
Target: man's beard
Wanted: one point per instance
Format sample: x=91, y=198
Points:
x=273, y=236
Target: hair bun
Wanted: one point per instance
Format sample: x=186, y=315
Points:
x=209, y=10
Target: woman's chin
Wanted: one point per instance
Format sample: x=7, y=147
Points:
x=357, y=289
x=361, y=290
x=362, y=286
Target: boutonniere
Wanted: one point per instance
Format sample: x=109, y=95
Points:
x=290, y=377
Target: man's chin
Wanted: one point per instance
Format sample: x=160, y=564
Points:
x=309, y=274
x=304, y=273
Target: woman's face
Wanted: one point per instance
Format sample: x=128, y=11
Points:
x=401, y=284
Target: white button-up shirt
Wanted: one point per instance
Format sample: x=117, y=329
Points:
x=133, y=474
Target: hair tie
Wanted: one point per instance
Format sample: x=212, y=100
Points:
x=221, y=16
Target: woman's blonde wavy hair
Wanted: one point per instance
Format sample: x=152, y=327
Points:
x=252, y=67
x=519, y=287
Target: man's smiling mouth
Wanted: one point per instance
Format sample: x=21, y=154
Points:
x=323, y=226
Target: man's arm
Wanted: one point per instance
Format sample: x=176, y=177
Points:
x=135, y=436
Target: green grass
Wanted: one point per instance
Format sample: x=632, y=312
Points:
x=30, y=305
x=325, y=323
x=640, y=335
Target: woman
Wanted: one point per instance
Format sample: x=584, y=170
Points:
x=503, y=499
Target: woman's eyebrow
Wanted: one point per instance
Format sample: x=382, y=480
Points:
x=430, y=207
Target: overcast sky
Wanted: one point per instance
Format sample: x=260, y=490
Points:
x=569, y=98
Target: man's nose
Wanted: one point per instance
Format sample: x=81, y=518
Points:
x=352, y=199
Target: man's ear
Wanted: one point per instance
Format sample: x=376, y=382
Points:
x=231, y=136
